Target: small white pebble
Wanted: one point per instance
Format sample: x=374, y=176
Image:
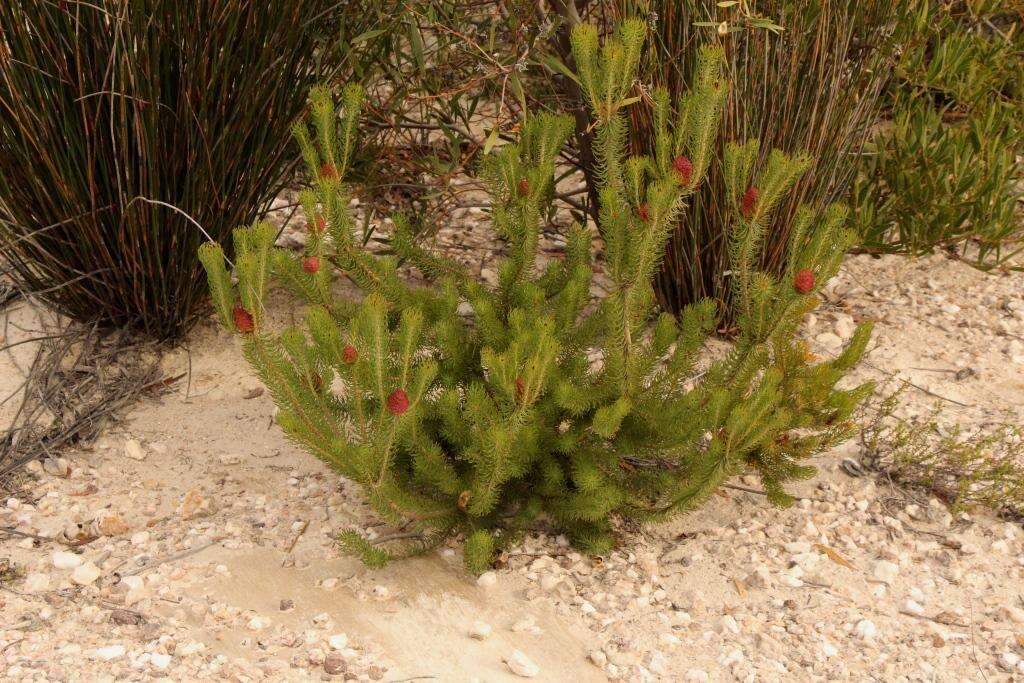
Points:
x=521, y=665
x=487, y=580
x=866, y=629
x=108, y=653
x=65, y=560
x=85, y=574
x=159, y=660
x=480, y=630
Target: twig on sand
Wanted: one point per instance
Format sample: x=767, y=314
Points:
x=291, y=546
x=759, y=492
x=171, y=558
x=916, y=386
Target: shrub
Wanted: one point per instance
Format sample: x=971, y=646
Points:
x=961, y=467
x=809, y=88
x=944, y=173
x=107, y=107
x=476, y=409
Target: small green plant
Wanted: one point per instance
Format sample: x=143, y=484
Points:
x=981, y=467
x=475, y=409
x=944, y=172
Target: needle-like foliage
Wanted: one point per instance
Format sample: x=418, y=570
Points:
x=476, y=409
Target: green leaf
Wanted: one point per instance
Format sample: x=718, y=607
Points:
x=556, y=64
x=491, y=140
x=368, y=35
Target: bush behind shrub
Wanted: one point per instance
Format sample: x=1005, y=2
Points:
x=108, y=107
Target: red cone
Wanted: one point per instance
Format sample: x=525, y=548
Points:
x=349, y=355
x=243, y=320
x=684, y=168
x=311, y=264
x=398, y=402
x=804, y=280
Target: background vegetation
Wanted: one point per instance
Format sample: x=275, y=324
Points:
x=126, y=125
x=943, y=169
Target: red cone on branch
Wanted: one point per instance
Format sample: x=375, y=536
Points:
x=524, y=187
x=328, y=171
x=644, y=211
x=804, y=280
x=398, y=402
x=349, y=355
x=243, y=320
x=684, y=169
x=311, y=264
x=520, y=388
x=749, y=202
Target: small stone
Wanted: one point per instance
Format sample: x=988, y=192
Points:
x=85, y=574
x=866, y=629
x=729, y=624
x=65, y=560
x=334, y=664
x=1009, y=660
x=112, y=525
x=487, y=580
x=133, y=449
x=159, y=660
x=136, y=590
x=257, y=623
x=339, y=641
x=1015, y=614
x=521, y=665
x=598, y=658
x=886, y=571
x=108, y=653
x=125, y=617
x=286, y=605
x=480, y=630
x=381, y=592
x=844, y=326
x=829, y=650
x=192, y=503
x=699, y=675
x=913, y=607
x=329, y=583
x=57, y=467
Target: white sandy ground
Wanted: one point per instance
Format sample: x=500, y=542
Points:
x=209, y=520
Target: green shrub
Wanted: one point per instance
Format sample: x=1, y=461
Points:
x=944, y=173
x=465, y=408
x=810, y=88
x=961, y=467
x=108, y=107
